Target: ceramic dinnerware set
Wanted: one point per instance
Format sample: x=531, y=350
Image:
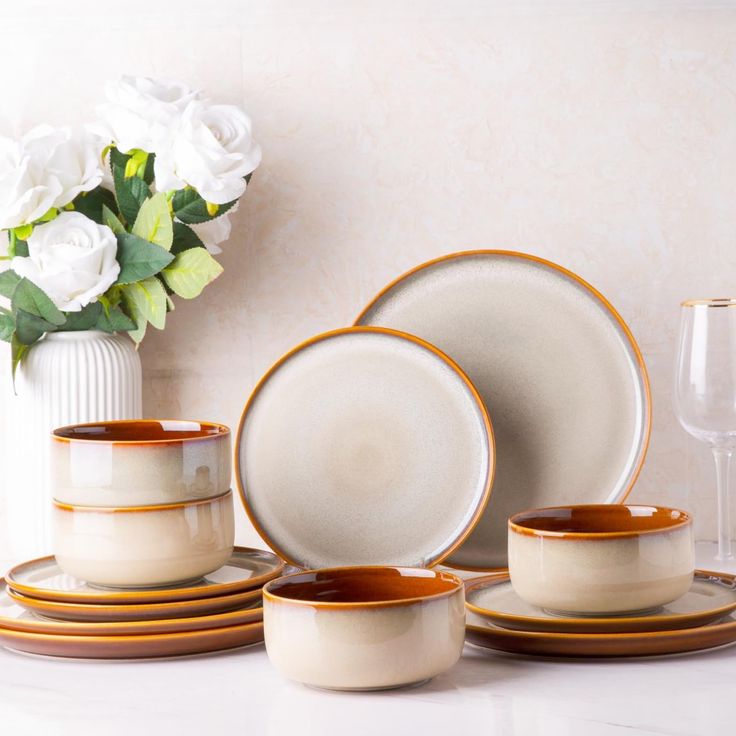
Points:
x=144, y=561
x=472, y=389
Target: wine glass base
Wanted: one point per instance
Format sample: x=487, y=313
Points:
x=706, y=558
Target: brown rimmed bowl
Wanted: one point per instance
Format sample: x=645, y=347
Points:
x=364, y=628
x=139, y=462
x=601, y=559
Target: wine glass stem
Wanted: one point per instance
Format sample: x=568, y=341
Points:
x=722, y=457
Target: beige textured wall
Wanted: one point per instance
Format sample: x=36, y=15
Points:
x=597, y=134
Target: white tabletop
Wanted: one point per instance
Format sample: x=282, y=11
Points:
x=238, y=692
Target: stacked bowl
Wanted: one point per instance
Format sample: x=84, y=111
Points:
x=144, y=559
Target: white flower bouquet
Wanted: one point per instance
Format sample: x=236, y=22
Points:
x=105, y=224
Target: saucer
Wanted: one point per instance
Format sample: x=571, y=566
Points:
x=711, y=597
x=133, y=646
x=632, y=644
x=15, y=616
x=43, y=579
x=137, y=611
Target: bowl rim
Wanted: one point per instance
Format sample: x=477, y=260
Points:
x=222, y=431
x=457, y=585
x=63, y=506
x=516, y=525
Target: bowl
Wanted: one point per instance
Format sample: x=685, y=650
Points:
x=364, y=628
x=601, y=559
x=144, y=546
x=139, y=462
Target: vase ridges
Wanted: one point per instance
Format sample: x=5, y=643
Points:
x=64, y=379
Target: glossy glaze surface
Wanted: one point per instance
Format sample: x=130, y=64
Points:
x=364, y=629
x=139, y=462
x=246, y=569
x=601, y=559
x=558, y=369
x=116, y=612
x=133, y=646
x=147, y=546
x=711, y=597
x=364, y=446
x=17, y=617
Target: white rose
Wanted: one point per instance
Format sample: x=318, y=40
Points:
x=216, y=231
x=140, y=111
x=72, y=259
x=46, y=168
x=212, y=149
x=73, y=157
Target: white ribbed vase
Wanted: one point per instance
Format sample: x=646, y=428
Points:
x=66, y=378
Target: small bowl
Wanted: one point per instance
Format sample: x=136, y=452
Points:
x=601, y=559
x=139, y=462
x=144, y=546
x=364, y=628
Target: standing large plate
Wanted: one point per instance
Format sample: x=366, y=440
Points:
x=558, y=370
x=364, y=446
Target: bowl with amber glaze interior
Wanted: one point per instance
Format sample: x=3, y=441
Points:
x=600, y=559
x=364, y=628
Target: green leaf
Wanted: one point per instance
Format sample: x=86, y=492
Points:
x=23, y=232
x=190, y=208
x=29, y=328
x=191, y=271
x=21, y=248
x=185, y=238
x=18, y=351
x=8, y=281
x=91, y=204
x=148, y=173
x=154, y=221
x=7, y=326
x=84, y=319
x=110, y=219
x=115, y=320
x=28, y=297
x=145, y=301
x=139, y=259
x=130, y=193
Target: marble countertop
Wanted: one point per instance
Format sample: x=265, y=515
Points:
x=239, y=692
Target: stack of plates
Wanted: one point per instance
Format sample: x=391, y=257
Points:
x=45, y=611
x=703, y=618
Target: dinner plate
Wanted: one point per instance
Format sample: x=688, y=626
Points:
x=15, y=616
x=631, y=644
x=559, y=372
x=45, y=580
x=65, y=611
x=711, y=597
x=364, y=446
x=132, y=646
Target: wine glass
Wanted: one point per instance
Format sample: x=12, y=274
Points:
x=705, y=392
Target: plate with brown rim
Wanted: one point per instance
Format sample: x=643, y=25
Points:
x=558, y=370
x=133, y=646
x=18, y=618
x=481, y=633
x=711, y=597
x=246, y=570
x=60, y=610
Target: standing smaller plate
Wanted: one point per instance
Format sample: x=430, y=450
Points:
x=711, y=597
x=137, y=611
x=135, y=646
x=364, y=446
x=633, y=644
x=16, y=617
x=44, y=579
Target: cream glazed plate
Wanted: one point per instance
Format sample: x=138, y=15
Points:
x=44, y=579
x=711, y=597
x=557, y=368
x=364, y=446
